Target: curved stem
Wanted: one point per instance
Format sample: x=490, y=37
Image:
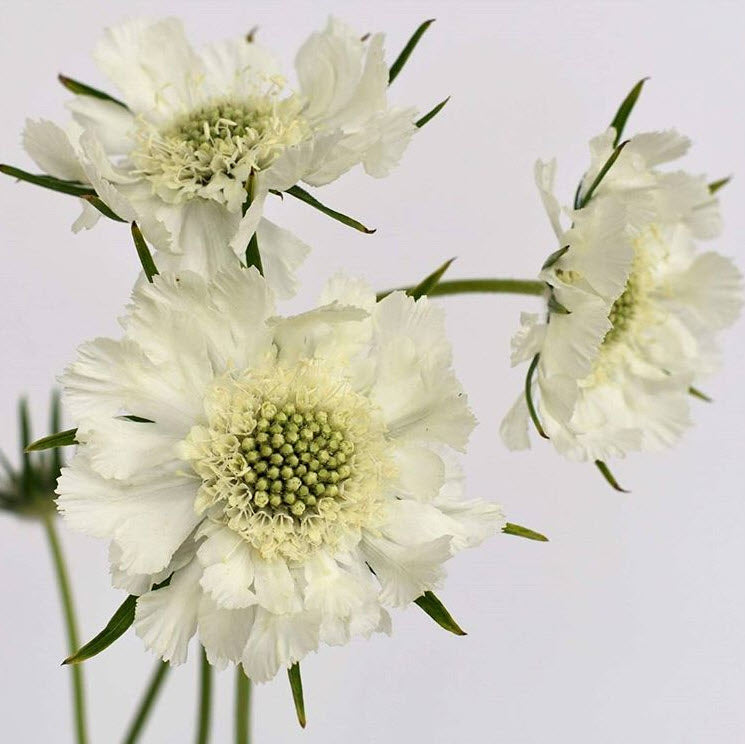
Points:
x=470, y=286
x=147, y=702
x=242, y=707
x=205, y=700
x=71, y=626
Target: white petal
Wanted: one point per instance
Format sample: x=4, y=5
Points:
x=282, y=254
x=166, y=618
x=223, y=633
x=275, y=587
x=528, y=339
x=89, y=217
x=111, y=123
x=279, y=641
x=514, y=426
x=545, y=174
x=235, y=66
x=52, y=151
x=659, y=147
x=421, y=472
x=151, y=62
x=148, y=518
x=228, y=569
x=405, y=573
x=388, y=137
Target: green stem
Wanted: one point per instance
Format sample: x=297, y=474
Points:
x=147, y=702
x=469, y=286
x=242, y=707
x=63, y=583
x=205, y=700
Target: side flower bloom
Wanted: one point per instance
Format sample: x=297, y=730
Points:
x=293, y=477
x=201, y=137
x=634, y=308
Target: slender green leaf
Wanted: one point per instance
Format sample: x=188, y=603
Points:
x=468, y=286
x=253, y=255
x=81, y=89
x=555, y=306
x=136, y=419
x=605, y=470
x=296, y=684
x=60, y=439
x=601, y=175
x=54, y=425
x=696, y=393
x=529, y=396
x=625, y=109
x=429, y=283
x=251, y=35
x=146, y=259
x=73, y=188
x=419, y=123
x=518, y=531
x=99, y=204
x=714, y=186
x=403, y=57
x=309, y=199
x=554, y=257
x=439, y=613
x=115, y=628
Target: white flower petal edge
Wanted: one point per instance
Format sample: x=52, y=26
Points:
x=614, y=374
x=270, y=465
x=198, y=127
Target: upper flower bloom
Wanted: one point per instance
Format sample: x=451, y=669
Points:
x=634, y=307
x=293, y=476
x=200, y=135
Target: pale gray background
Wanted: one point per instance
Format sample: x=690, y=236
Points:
x=628, y=626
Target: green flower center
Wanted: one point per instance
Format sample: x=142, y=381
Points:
x=623, y=311
x=293, y=459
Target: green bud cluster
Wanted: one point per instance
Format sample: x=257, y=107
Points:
x=295, y=458
x=203, y=128
x=622, y=312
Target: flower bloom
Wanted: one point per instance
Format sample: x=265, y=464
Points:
x=197, y=131
x=292, y=476
x=635, y=308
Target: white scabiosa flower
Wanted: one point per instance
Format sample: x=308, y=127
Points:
x=200, y=137
x=292, y=476
x=634, y=307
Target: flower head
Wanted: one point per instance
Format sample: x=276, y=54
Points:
x=292, y=476
x=634, y=307
x=200, y=137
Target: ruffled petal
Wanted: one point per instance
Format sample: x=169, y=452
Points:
x=51, y=149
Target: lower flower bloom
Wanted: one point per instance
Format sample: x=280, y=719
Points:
x=633, y=308
x=294, y=477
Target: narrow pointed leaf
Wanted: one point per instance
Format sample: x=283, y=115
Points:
x=625, y=109
x=81, y=89
x=309, y=199
x=439, y=613
x=253, y=255
x=296, y=684
x=403, y=57
x=146, y=259
x=518, y=531
x=555, y=306
x=605, y=470
x=48, y=182
x=601, y=175
x=115, y=628
x=696, y=393
x=427, y=285
x=251, y=35
x=98, y=203
x=136, y=419
x=554, y=257
x=419, y=123
x=60, y=439
x=714, y=186
x=529, y=396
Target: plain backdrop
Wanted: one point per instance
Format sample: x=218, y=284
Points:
x=628, y=625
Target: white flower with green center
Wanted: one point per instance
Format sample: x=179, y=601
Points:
x=292, y=476
x=635, y=308
x=200, y=137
